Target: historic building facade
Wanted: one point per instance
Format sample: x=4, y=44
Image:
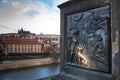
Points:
x=21, y=45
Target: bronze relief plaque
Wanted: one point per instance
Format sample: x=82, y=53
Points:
x=88, y=39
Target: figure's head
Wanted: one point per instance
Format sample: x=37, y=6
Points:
x=99, y=38
x=75, y=31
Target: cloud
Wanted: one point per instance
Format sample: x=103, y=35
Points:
x=16, y=4
x=24, y=10
x=4, y=1
x=33, y=16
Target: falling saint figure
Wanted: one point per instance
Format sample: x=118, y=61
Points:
x=81, y=59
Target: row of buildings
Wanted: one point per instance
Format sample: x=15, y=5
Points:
x=26, y=42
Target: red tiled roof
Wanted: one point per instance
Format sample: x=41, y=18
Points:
x=20, y=41
x=47, y=50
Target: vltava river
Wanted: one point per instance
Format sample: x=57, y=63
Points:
x=30, y=73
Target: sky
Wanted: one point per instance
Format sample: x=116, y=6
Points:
x=36, y=16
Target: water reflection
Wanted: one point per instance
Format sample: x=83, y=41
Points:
x=31, y=73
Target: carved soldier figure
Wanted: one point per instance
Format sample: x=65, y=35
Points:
x=73, y=45
x=76, y=48
x=99, y=47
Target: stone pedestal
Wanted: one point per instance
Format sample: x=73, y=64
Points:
x=88, y=22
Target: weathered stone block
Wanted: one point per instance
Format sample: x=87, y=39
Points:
x=90, y=39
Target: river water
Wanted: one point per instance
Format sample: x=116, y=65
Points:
x=30, y=73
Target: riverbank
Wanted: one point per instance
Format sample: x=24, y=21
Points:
x=27, y=63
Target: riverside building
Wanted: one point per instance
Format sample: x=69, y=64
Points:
x=21, y=45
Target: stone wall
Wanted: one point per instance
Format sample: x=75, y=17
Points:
x=74, y=6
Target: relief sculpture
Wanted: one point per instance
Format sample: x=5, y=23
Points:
x=88, y=39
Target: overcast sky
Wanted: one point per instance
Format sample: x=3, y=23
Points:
x=36, y=16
